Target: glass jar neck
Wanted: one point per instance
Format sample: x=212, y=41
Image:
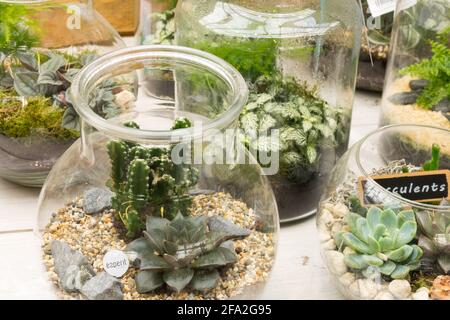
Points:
x=118, y=61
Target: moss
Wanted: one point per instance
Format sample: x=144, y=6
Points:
x=39, y=117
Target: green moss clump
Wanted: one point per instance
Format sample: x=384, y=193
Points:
x=39, y=117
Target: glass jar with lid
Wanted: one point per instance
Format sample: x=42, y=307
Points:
x=165, y=185
x=384, y=229
x=299, y=59
x=43, y=44
x=417, y=90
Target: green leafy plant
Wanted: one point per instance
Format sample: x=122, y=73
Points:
x=38, y=116
x=17, y=31
x=436, y=70
x=435, y=239
x=253, y=58
x=305, y=122
x=184, y=252
x=147, y=182
x=382, y=242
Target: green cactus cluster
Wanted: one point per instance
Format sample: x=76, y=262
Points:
x=381, y=243
x=147, y=182
x=184, y=252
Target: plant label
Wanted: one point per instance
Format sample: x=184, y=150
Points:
x=380, y=7
x=423, y=186
x=115, y=263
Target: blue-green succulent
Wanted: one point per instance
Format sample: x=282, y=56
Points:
x=381, y=242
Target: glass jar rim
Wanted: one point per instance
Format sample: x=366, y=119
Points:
x=104, y=64
x=367, y=175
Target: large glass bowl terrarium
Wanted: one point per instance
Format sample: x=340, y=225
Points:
x=43, y=44
x=418, y=77
x=166, y=182
x=299, y=59
x=377, y=240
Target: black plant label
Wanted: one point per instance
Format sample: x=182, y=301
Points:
x=423, y=186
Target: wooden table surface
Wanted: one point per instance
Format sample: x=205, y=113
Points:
x=299, y=272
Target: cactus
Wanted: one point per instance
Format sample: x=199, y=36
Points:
x=433, y=163
x=145, y=181
x=184, y=252
x=381, y=243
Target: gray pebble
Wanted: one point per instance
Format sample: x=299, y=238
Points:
x=418, y=85
x=103, y=287
x=404, y=98
x=72, y=268
x=96, y=200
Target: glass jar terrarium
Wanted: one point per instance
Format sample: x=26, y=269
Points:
x=165, y=183
x=416, y=90
x=374, y=50
x=158, y=22
x=376, y=241
x=299, y=59
x=43, y=44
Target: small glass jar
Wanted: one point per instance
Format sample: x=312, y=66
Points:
x=416, y=90
x=299, y=59
x=158, y=22
x=378, y=244
x=165, y=176
x=43, y=44
x=374, y=50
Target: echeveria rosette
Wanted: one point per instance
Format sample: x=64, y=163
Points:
x=382, y=242
x=184, y=252
x=435, y=237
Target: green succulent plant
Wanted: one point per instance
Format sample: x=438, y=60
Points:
x=147, y=182
x=435, y=237
x=382, y=242
x=184, y=252
x=305, y=122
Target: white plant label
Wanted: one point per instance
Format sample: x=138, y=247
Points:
x=115, y=263
x=380, y=7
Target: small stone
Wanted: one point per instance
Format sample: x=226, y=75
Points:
x=421, y=294
x=444, y=107
x=418, y=85
x=348, y=251
x=441, y=288
x=384, y=295
x=347, y=279
x=336, y=262
x=72, y=268
x=219, y=224
x=404, y=98
x=401, y=289
x=329, y=245
x=340, y=210
x=363, y=289
x=96, y=200
x=326, y=217
x=103, y=287
x=125, y=99
x=324, y=236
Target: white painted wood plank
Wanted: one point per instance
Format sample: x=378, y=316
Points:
x=21, y=273
x=18, y=206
